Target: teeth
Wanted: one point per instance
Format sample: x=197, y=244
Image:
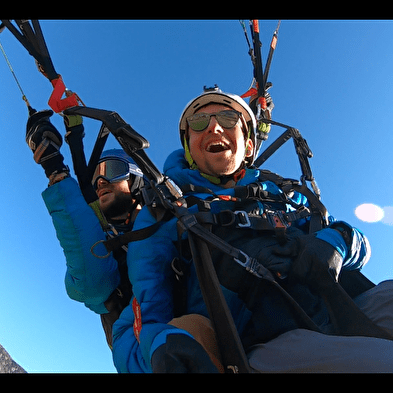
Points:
x=217, y=146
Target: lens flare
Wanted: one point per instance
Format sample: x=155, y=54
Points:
x=388, y=216
x=369, y=212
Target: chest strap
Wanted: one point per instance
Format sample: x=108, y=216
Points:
x=268, y=221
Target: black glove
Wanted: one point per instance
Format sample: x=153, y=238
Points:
x=279, y=263
x=181, y=354
x=45, y=141
x=317, y=263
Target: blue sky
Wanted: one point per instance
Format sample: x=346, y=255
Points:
x=331, y=80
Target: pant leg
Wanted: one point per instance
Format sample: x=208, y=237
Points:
x=306, y=351
x=201, y=329
x=377, y=304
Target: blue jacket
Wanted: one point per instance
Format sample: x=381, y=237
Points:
x=88, y=279
x=143, y=325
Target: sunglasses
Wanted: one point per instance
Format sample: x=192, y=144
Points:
x=111, y=170
x=226, y=119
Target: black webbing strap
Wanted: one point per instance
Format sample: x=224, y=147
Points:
x=206, y=272
x=232, y=352
x=189, y=222
x=347, y=317
x=319, y=214
x=131, y=236
x=31, y=37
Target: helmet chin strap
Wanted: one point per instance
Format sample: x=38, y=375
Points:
x=236, y=176
x=239, y=174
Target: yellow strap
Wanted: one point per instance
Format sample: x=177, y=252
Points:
x=97, y=210
x=73, y=120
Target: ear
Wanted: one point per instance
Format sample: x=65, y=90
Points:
x=249, y=148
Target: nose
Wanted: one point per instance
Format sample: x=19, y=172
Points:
x=100, y=182
x=214, y=126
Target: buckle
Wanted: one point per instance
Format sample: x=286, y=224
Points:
x=250, y=264
x=277, y=219
x=244, y=220
x=239, y=218
x=253, y=266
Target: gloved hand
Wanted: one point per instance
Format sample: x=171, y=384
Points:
x=275, y=259
x=181, y=354
x=45, y=141
x=317, y=263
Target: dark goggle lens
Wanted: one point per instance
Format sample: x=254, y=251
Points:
x=226, y=119
x=110, y=170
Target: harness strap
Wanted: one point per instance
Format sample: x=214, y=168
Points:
x=339, y=303
x=258, y=271
x=319, y=213
x=131, y=236
x=188, y=222
x=228, y=340
x=346, y=316
x=319, y=217
x=269, y=221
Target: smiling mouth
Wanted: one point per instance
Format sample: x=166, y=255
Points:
x=217, y=147
x=103, y=192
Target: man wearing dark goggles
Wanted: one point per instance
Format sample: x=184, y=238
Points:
x=114, y=170
x=117, y=181
x=93, y=276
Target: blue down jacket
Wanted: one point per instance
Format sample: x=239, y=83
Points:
x=88, y=279
x=143, y=325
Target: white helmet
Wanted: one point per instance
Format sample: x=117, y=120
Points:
x=216, y=96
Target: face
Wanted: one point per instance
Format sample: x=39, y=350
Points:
x=114, y=198
x=216, y=150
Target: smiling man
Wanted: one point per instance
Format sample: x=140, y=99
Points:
x=217, y=151
x=117, y=181
x=93, y=276
x=250, y=210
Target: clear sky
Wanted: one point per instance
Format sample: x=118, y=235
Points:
x=331, y=79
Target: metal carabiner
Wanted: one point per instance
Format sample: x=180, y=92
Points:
x=94, y=246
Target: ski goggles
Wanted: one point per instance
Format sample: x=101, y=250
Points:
x=226, y=119
x=114, y=170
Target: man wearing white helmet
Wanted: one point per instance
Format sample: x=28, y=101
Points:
x=222, y=156
x=246, y=208
x=93, y=276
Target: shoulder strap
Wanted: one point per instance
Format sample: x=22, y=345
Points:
x=319, y=216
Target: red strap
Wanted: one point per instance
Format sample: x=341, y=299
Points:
x=56, y=102
x=249, y=93
x=262, y=102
